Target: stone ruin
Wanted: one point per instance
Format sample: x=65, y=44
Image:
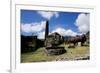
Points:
x=52, y=42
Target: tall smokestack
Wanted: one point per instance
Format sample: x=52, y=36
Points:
x=46, y=29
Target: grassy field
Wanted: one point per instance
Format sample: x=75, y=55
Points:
x=40, y=55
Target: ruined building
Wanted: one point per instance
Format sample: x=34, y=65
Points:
x=52, y=42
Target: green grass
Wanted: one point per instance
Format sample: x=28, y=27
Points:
x=40, y=55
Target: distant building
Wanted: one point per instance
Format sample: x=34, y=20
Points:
x=28, y=43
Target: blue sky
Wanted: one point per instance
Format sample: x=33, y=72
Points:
x=70, y=22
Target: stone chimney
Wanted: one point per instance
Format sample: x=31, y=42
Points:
x=46, y=29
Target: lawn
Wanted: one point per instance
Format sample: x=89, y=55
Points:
x=40, y=56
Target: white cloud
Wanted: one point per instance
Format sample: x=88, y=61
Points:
x=64, y=32
x=47, y=14
x=82, y=22
x=26, y=28
x=41, y=35
x=33, y=27
x=36, y=27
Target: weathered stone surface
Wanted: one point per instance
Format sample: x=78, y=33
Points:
x=55, y=50
x=53, y=39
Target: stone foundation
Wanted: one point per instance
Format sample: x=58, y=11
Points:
x=55, y=50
